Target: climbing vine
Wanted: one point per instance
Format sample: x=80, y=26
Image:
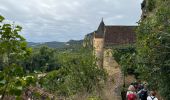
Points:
x=151, y=4
x=153, y=47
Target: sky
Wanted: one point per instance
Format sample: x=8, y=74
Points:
x=63, y=20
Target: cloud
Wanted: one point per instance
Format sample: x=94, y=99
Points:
x=61, y=20
x=3, y=8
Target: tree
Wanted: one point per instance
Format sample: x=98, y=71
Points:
x=153, y=47
x=42, y=59
x=78, y=73
x=13, y=45
x=12, y=49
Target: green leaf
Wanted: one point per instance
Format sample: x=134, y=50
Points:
x=19, y=88
x=18, y=28
x=15, y=91
x=2, y=82
x=1, y=18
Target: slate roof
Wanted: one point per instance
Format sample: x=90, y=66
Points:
x=100, y=31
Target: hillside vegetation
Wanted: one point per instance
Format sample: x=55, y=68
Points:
x=149, y=59
x=61, y=73
x=57, y=70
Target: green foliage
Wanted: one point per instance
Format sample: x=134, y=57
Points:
x=12, y=49
x=42, y=59
x=153, y=48
x=13, y=81
x=1, y=18
x=13, y=45
x=78, y=73
x=151, y=4
x=126, y=58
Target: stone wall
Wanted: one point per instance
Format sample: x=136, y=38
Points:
x=98, y=44
x=114, y=82
x=108, y=60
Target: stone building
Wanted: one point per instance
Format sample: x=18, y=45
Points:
x=102, y=41
x=107, y=37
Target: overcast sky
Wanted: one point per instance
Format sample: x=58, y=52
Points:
x=62, y=20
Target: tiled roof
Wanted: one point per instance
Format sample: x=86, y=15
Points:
x=117, y=35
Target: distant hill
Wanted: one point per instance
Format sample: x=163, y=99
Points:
x=55, y=44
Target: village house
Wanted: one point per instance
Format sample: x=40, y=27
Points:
x=107, y=37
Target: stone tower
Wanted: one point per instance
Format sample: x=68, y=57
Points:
x=98, y=43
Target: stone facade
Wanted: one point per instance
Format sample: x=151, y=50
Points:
x=98, y=45
x=107, y=37
x=102, y=41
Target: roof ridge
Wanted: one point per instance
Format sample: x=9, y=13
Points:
x=120, y=25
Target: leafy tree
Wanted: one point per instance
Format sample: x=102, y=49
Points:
x=12, y=49
x=78, y=73
x=42, y=59
x=13, y=45
x=153, y=47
